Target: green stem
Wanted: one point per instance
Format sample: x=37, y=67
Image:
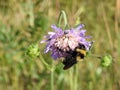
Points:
x=52, y=77
x=44, y=62
x=52, y=69
x=52, y=80
x=76, y=78
x=62, y=15
x=71, y=79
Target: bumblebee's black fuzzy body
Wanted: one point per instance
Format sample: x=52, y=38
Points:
x=74, y=56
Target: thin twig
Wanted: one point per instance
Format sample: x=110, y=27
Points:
x=116, y=15
x=107, y=26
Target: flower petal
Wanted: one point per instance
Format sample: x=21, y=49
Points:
x=79, y=27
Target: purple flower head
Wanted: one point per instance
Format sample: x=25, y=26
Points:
x=61, y=41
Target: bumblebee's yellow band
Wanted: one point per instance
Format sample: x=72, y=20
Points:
x=81, y=51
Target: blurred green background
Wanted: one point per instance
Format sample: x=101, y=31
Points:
x=23, y=22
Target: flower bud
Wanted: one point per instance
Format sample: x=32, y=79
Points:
x=106, y=60
x=33, y=51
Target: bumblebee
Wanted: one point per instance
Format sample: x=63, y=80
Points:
x=74, y=56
